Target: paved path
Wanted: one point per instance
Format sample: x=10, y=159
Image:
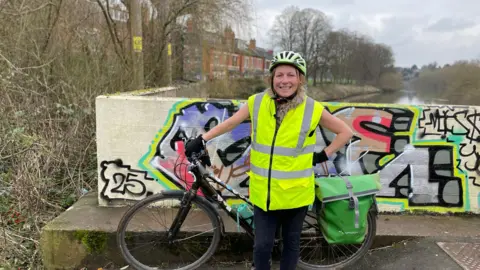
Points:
x=418, y=254
x=422, y=254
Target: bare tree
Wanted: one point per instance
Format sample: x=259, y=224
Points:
x=303, y=31
x=312, y=28
x=457, y=82
x=283, y=32
x=54, y=60
x=209, y=16
x=342, y=56
x=56, y=57
x=336, y=55
x=114, y=29
x=327, y=53
x=163, y=23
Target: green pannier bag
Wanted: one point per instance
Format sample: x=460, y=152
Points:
x=345, y=203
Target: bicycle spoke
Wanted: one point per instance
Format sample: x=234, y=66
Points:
x=176, y=241
x=145, y=235
x=316, y=253
x=312, y=251
x=142, y=246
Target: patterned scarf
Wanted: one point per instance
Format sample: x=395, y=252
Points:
x=282, y=109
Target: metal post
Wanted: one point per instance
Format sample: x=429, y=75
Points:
x=137, y=43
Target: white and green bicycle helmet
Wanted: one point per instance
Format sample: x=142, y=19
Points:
x=289, y=58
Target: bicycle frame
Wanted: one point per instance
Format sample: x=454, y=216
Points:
x=201, y=175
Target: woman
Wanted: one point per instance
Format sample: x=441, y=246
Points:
x=284, y=120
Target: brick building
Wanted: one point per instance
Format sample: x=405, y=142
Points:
x=210, y=55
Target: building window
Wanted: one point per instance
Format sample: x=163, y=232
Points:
x=235, y=61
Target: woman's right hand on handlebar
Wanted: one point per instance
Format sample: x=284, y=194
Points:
x=197, y=146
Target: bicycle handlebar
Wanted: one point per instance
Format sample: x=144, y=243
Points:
x=199, y=160
x=202, y=159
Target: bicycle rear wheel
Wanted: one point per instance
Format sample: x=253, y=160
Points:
x=143, y=230
x=316, y=253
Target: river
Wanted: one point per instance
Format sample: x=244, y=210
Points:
x=400, y=97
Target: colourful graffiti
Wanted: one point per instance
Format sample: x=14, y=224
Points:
x=427, y=156
x=423, y=172
x=229, y=152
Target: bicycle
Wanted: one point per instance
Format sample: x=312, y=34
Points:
x=201, y=195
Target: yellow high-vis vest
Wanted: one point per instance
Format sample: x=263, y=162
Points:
x=281, y=171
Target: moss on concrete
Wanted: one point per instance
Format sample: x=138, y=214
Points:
x=94, y=241
x=78, y=249
x=420, y=212
x=60, y=251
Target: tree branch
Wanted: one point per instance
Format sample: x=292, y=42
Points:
x=170, y=19
x=26, y=12
x=115, y=25
x=50, y=32
x=113, y=36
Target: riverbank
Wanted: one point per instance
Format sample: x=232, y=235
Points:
x=243, y=88
x=458, y=83
x=336, y=92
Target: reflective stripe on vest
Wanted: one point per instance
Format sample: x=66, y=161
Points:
x=281, y=175
x=280, y=150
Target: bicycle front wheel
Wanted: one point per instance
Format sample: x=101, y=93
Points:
x=143, y=230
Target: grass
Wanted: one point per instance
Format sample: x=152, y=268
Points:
x=337, y=92
x=330, y=81
x=47, y=151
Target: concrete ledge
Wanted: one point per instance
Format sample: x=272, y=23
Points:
x=84, y=235
x=194, y=90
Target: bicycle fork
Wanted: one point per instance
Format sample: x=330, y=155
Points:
x=185, y=206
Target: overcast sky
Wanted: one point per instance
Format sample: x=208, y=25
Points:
x=419, y=32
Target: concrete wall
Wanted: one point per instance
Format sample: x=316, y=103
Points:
x=427, y=155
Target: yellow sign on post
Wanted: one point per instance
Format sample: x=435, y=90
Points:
x=169, y=48
x=137, y=44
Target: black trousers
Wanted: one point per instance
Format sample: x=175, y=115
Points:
x=266, y=224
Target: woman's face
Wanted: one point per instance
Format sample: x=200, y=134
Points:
x=286, y=80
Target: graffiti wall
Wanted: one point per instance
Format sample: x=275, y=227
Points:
x=427, y=156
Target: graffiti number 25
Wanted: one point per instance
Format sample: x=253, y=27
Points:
x=131, y=184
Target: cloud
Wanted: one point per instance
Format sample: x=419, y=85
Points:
x=450, y=24
x=419, y=32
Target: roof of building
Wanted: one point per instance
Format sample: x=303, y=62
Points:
x=219, y=41
x=242, y=46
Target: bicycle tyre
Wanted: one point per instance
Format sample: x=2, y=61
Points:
x=199, y=201
x=372, y=229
